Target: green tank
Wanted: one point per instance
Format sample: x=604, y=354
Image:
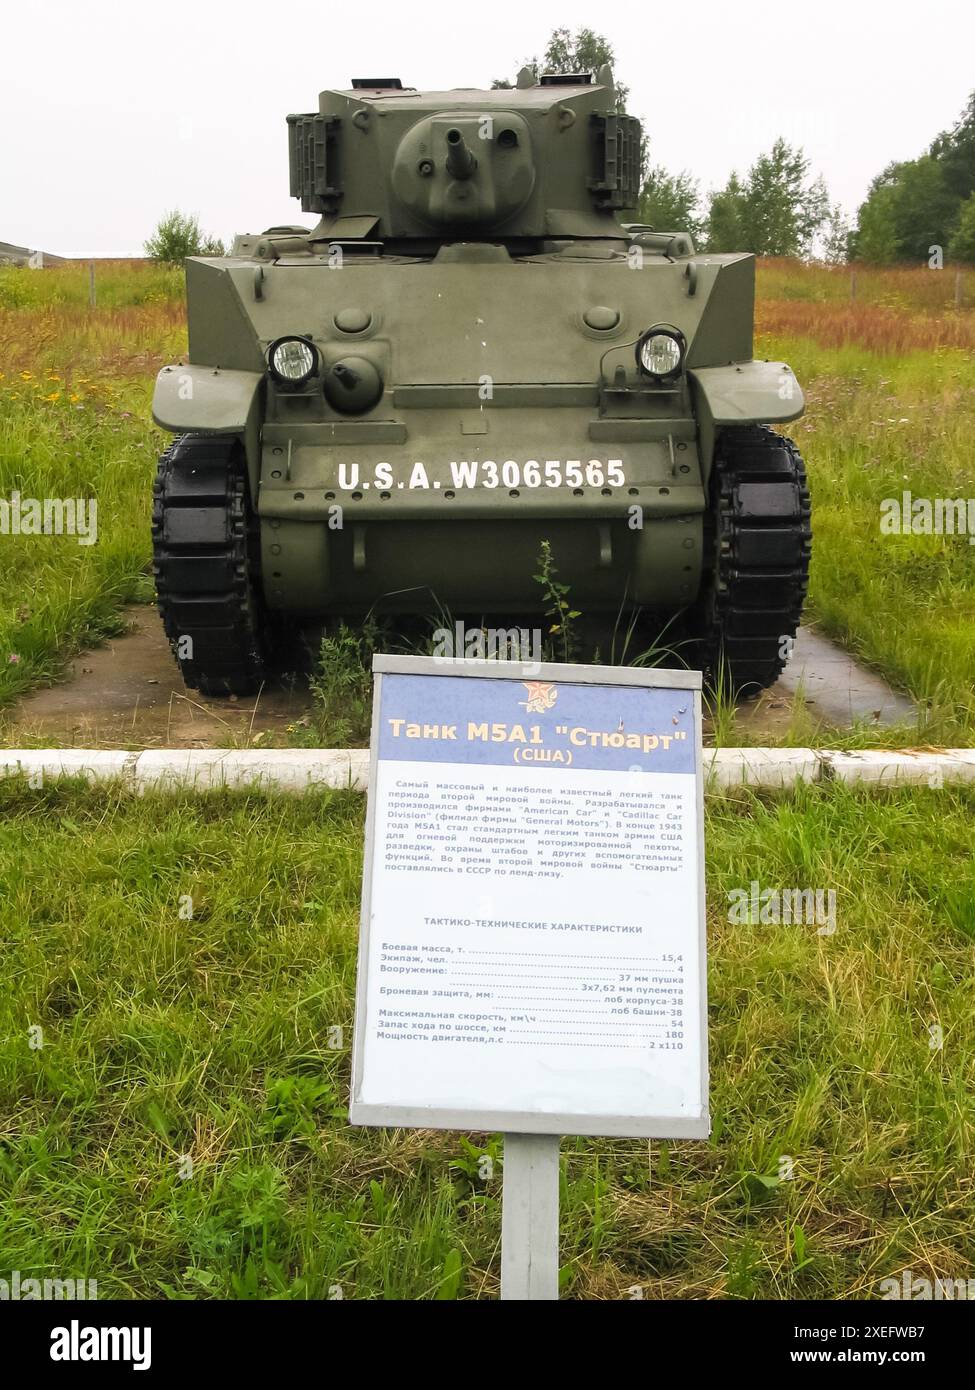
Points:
x=473, y=352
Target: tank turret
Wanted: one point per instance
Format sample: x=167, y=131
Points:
x=554, y=158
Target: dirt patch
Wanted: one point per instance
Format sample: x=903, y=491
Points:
x=128, y=694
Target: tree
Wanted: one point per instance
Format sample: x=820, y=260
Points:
x=783, y=211
x=777, y=211
x=925, y=209
x=726, y=218
x=178, y=236
x=908, y=210
x=583, y=51
x=962, y=244
x=670, y=202
x=918, y=203
x=955, y=152
x=874, y=238
x=837, y=235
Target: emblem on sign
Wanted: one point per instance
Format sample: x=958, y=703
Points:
x=541, y=696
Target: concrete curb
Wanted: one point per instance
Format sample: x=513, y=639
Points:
x=301, y=769
x=886, y=767
x=94, y=764
x=196, y=769
x=281, y=769
x=760, y=767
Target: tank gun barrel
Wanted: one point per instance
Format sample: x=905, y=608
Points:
x=460, y=162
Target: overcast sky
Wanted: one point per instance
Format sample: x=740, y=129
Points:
x=110, y=113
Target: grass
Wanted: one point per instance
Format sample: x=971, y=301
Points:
x=891, y=390
x=119, y=285
x=181, y=1132
x=341, y=688
x=75, y=391
x=912, y=289
x=879, y=425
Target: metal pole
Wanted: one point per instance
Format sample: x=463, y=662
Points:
x=957, y=289
x=530, y=1217
x=91, y=284
x=853, y=285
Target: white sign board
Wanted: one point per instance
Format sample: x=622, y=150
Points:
x=532, y=953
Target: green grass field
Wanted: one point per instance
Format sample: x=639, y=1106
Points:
x=180, y=1131
x=891, y=388
x=75, y=391
x=878, y=425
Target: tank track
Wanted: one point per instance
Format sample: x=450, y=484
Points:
x=204, y=565
x=760, y=543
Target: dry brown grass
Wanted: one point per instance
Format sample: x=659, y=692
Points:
x=126, y=342
x=870, y=326
x=883, y=309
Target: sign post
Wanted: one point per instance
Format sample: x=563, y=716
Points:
x=530, y=1217
x=532, y=951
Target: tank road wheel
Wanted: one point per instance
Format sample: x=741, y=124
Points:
x=760, y=543
x=205, y=565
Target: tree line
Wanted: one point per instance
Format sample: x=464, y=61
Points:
x=914, y=210
x=913, y=207
x=779, y=208
x=924, y=202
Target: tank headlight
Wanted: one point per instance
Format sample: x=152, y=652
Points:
x=660, y=352
x=292, y=361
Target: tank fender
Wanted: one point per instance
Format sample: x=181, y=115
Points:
x=743, y=393
x=209, y=400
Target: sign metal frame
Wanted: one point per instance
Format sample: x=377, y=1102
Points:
x=520, y=1121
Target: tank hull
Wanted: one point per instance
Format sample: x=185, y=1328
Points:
x=501, y=423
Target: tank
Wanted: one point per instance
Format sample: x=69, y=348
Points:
x=473, y=352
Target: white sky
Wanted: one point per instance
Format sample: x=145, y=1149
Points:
x=110, y=114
